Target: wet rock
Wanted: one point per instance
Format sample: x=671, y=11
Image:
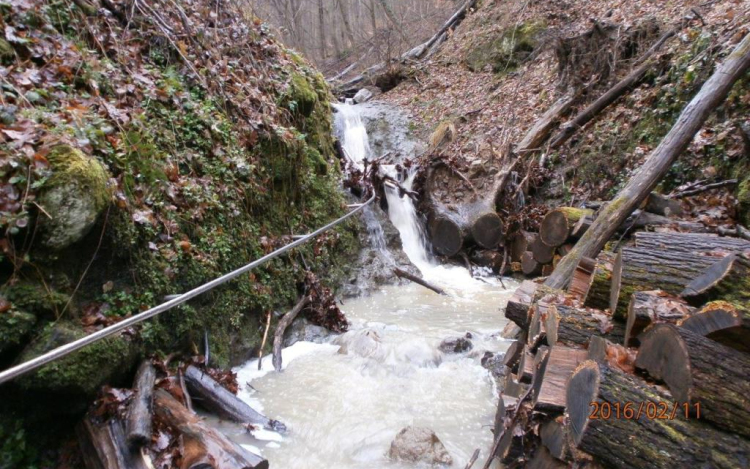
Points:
x=510, y=331
x=362, y=96
x=493, y=362
x=364, y=343
x=73, y=196
x=303, y=330
x=456, y=344
x=419, y=445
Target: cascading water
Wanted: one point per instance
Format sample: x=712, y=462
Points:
x=344, y=400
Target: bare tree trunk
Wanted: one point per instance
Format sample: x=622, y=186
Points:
x=392, y=18
x=713, y=93
x=322, y=30
x=344, y=10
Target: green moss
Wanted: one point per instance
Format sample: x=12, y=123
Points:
x=743, y=201
x=7, y=54
x=302, y=96
x=81, y=374
x=506, y=51
x=15, y=326
x=35, y=299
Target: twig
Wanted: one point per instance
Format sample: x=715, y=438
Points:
x=473, y=459
x=188, y=400
x=263, y=343
x=403, y=274
x=502, y=266
x=707, y=187
x=738, y=231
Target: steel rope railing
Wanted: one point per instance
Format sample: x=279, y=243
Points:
x=71, y=347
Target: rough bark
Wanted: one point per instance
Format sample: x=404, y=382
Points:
x=712, y=94
x=224, y=453
x=700, y=371
x=558, y=224
x=103, y=445
x=219, y=400
x=574, y=327
x=517, y=309
x=542, y=128
x=138, y=421
x=638, y=269
x=520, y=243
x=641, y=442
x=691, y=243
x=649, y=307
x=513, y=355
x=278, y=336
x=558, y=367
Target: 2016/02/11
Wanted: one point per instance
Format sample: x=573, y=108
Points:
x=651, y=410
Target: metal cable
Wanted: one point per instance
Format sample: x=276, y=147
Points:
x=71, y=347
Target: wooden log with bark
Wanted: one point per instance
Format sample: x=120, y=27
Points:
x=213, y=444
x=541, y=252
x=710, y=378
x=138, y=420
x=103, y=445
x=723, y=322
x=592, y=280
x=517, y=309
x=642, y=439
x=530, y=266
x=711, y=95
x=419, y=281
x=286, y=321
x=520, y=243
x=558, y=224
x=572, y=326
x=217, y=399
x=726, y=279
x=639, y=269
x=554, y=373
x=652, y=307
x=691, y=243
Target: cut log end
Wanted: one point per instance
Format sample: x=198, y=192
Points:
x=542, y=252
x=664, y=355
x=487, y=230
x=711, y=277
x=583, y=388
x=447, y=238
x=529, y=265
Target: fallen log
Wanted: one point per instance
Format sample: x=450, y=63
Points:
x=278, y=336
x=517, y=309
x=592, y=280
x=138, y=420
x=710, y=379
x=520, y=243
x=541, y=253
x=217, y=399
x=552, y=435
x=712, y=93
x=572, y=326
x=558, y=224
x=530, y=266
x=691, y=243
x=723, y=322
x=513, y=355
x=103, y=445
x=542, y=128
x=649, y=307
x=222, y=452
x=404, y=274
x=555, y=371
x=638, y=269
x=727, y=279
x=638, y=438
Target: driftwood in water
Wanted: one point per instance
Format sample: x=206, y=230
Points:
x=103, y=445
x=592, y=280
x=654, y=439
x=555, y=371
x=699, y=371
x=558, y=224
x=574, y=327
x=723, y=322
x=217, y=399
x=517, y=309
x=712, y=94
x=138, y=421
x=278, y=336
x=638, y=269
x=652, y=307
x=221, y=450
x=691, y=243
x=404, y=274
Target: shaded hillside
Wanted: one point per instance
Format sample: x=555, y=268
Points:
x=146, y=148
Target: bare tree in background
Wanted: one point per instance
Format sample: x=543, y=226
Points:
x=336, y=34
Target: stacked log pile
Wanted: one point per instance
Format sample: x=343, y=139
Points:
x=154, y=424
x=643, y=362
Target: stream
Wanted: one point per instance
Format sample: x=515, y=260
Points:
x=344, y=400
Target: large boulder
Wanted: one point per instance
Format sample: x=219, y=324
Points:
x=419, y=445
x=364, y=342
x=72, y=198
x=456, y=344
x=362, y=96
x=303, y=330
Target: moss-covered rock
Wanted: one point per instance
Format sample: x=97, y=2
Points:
x=302, y=96
x=78, y=376
x=35, y=299
x=7, y=54
x=15, y=326
x=506, y=51
x=73, y=197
